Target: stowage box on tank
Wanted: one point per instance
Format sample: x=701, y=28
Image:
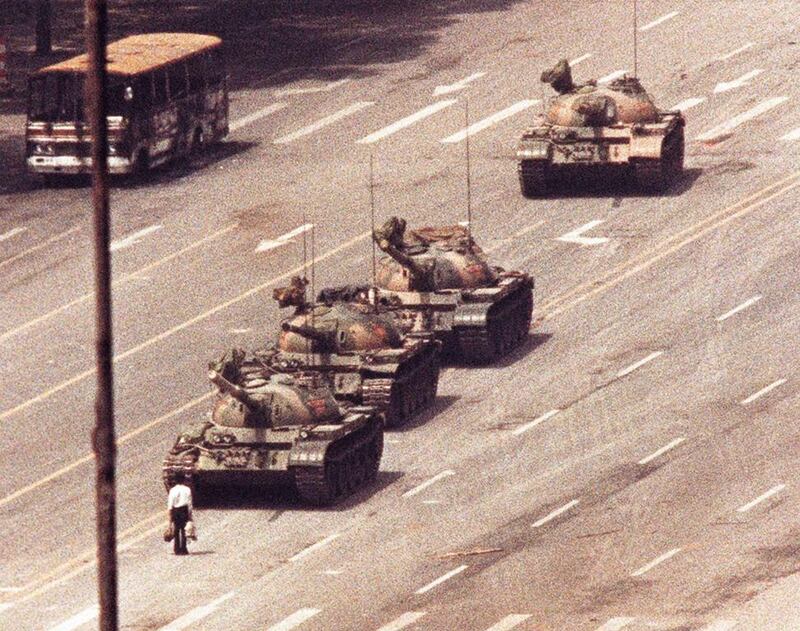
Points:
x=279, y=431
x=589, y=126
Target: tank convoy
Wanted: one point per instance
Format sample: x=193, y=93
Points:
x=589, y=126
x=438, y=280
x=278, y=431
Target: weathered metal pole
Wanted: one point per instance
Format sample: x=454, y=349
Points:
x=103, y=439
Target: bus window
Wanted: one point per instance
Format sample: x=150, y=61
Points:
x=177, y=81
x=159, y=88
x=116, y=103
x=36, y=99
x=194, y=68
x=214, y=68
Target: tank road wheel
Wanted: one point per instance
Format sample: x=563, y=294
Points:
x=533, y=178
x=656, y=175
x=374, y=453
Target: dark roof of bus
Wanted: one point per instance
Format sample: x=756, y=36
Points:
x=140, y=53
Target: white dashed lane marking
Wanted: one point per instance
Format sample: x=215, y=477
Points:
x=12, y=233
x=792, y=135
x=553, y=514
x=763, y=391
x=509, y=622
x=610, y=77
x=539, y=419
x=658, y=21
x=688, y=103
x=655, y=562
x=458, y=85
x=725, y=86
x=662, y=451
x=39, y=246
x=271, y=244
x=251, y=118
x=580, y=59
x=78, y=620
x=761, y=498
x=187, y=620
x=733, y=53
x=426, y=484
x=576, y=236
x=409, y=120
x=720, y=625
x=737, y=309
x=295, y=620
x=441, y=579
x=313, y=548
x=408, y=618
x=313, y=89
x=324, y=122
x=639, y=364
x=615, y=624
x=490, y=120
x=132, y=239
x=722, y=131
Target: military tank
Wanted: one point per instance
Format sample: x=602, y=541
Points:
x=281, y=430
x=591, y=127
x=437, y=279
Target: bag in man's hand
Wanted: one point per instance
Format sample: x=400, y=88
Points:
x=169, y=532
x=191, y=531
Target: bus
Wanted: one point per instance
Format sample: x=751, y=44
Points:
x=167, y=98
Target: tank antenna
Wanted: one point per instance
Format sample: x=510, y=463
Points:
x=635, y=36
x=313, y=267
x=305, y=278
x=469, y=193
x=372, y=214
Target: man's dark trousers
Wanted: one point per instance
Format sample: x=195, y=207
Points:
x=180, y=516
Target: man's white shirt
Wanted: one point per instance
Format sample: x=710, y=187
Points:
x=179, y=495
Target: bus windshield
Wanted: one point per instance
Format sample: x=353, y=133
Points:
x=58, y=97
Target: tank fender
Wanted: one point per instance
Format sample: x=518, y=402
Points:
x=534, y=149
x=308, y=453
x=646, y=146
x=471, y=315
x=347, y=383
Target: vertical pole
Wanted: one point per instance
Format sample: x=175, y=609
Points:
x=372, y=216
x=305, y=278
x=44, y=27
x=469, y=192
x=103, y=440
x=635, y=39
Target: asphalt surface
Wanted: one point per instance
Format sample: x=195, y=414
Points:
x=632, y=467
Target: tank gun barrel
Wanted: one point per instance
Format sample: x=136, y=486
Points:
x=237, y=392
x=417, y=270
x=308, y=332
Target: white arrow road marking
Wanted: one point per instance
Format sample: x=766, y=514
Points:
x=490, y=120
x=658, y=21
x=524, y=428
x=662, y=451
x=78, y=620
x=312, y=90
x=724, y=86
x=509, y=622
x=425, y=485
x=741, y=49
x=271, y=244
x=723, y=130
x=131, y=239
x=12, y=233
x=580, y=59
x=295, y=620
x=792, y=135
x=324, y=122
x=553, y=514
x=188, y=619
x=410, y=617
x=763, y=391
x=458, y=85
x=406, y=122
x=688, y=103
x=441, y=579
x=615, y=624
x=639, y=364
x=737, y=309
x=664, y=557
x=251, y=118
x=773, y=491
x=313, y=548
x=575, y=235
x=610, y=77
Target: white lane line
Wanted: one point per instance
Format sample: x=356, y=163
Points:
x=764, y=496
x=575, y=236
x=792, y=135
x=553, y=514
x=401, y=622
x=763, y=391
x=431, y=501
x=658, y=21
x=251, y=118
x=639, y=364
x=406, y=122
x=426, y=484
x=580, y=59
x=313, y=548
x=509, y=622
x=663, y=450
x=741, y=49
x=312, y=90
x=271, y=244
x=78, y=620
x=539, y=419
x=720, y=625
x=490, y=120
x=664, y=557
x=441, y=579
x=723, y=130
x=131, y=239
x=725, y=86
x=5, y=606
x=747, y=303
x=295, y=620
x=615, y=624
x=527, y=229
x=688, y=103
x=458, y=85
x=11, y=590
x=324, y=122
x=12, y=233
x=610, y=77
x=198, y=613
x=39, y=246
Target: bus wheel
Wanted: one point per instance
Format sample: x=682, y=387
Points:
x=141, y=165
x=198, y=141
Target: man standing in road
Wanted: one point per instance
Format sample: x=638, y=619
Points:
x=179, y=505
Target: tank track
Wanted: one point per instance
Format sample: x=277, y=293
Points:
x=350, y=464
x=507, y=325
x=533, y=178
x=657, y=175
x=399, y=399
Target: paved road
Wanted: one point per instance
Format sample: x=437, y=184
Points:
x=632, y=467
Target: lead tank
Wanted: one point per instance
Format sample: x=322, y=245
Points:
x=589, y=126
x=278, y=431
x=437, y=279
